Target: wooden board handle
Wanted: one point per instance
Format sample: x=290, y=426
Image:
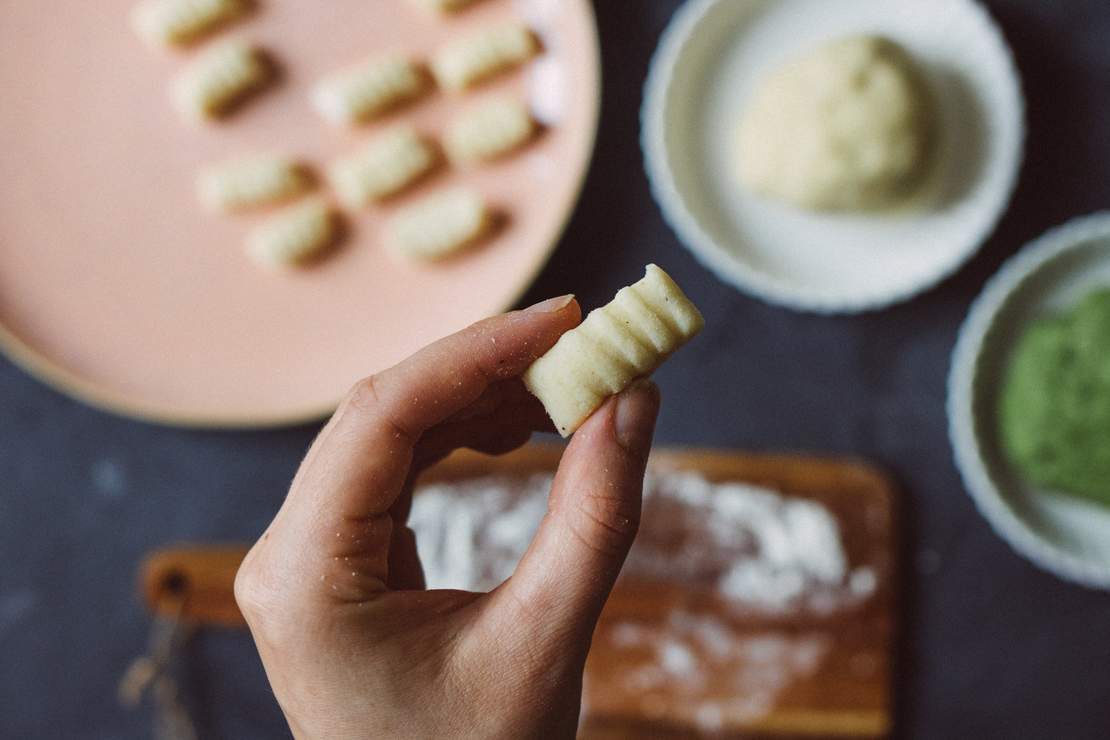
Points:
x=197, y=581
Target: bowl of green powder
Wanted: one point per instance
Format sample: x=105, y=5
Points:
x=1029, y=401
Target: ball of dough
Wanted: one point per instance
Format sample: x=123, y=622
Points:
x=845, y=127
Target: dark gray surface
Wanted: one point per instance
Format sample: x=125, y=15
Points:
x=992, y=647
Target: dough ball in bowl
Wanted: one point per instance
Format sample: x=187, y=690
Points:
x=846, y=127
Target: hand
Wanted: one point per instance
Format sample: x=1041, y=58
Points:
x=333, y=592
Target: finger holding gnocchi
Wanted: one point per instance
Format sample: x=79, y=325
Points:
x=625, y=339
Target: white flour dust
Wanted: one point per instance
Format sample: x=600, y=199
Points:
x=470, y=534
x=759, y=552
x=759, y=549
x=698, y=669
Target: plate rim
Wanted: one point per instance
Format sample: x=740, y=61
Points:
x=735, y=272
x=70, y=383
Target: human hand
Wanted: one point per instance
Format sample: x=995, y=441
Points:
x=333, y=591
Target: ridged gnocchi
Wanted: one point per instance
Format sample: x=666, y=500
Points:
x=246, y=183
x=368, y=89
x=623, y=340
x=296, y=235
x=488, y=130
x=440, y=224
x=385, y=166
x=471, y=59
x=180, y=22
x=443, y=6
x=220, y=79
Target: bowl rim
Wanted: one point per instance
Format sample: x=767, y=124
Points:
x=719, y=260
x=966, y=356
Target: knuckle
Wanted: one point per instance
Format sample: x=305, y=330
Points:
x=365, y=400
x=607, y=523
x=252, y=592
x=246, y=590
x=488, y=361
x=363, y=394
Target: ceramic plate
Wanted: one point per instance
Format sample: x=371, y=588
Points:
x=118, y=288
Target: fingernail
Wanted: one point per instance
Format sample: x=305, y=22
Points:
x=551, y=305
x=637, y=406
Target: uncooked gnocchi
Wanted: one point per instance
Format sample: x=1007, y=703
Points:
x=220, y=79
x=443, y=6
x=471, y=59
x=388, y=164
x=296, y=235
x=488, y=130
x=623, y=340
x=179, y=22
x=247, y=183
x=368, y=89
x=440, y=224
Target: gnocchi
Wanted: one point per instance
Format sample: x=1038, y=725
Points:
x=443, y=6
x=180, y=22
x=248, y=183
x=368, y=90
x=385, y=166
x=472, y=59
x=623, y=340
x=488, y=130
x=296, y=235
x=221, y=79
x=440, y=224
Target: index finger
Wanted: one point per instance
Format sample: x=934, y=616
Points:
x=357, y=466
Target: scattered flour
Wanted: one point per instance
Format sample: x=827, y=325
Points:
x=760, y=550
x=677, y=659
x=471, y=534
x=700, y=669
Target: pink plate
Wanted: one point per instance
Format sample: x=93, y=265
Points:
x=117, y=288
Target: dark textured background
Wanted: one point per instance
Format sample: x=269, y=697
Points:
x=992, y=648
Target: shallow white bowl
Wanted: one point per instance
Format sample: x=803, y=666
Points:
x=1064, y=535
x=707, y=63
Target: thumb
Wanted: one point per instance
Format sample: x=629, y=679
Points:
x=565, y=577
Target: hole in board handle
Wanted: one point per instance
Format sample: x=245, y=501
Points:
x=175, y=583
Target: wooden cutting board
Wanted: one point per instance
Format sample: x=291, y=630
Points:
x=741, y=673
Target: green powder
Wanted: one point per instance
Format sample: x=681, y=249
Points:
x=1055, y=405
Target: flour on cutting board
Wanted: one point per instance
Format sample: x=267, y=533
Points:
x=762, y=550
x=670, y=667
x=762, y=553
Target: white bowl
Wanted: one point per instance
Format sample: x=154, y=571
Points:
x=1064, y=535
x=708, y=61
